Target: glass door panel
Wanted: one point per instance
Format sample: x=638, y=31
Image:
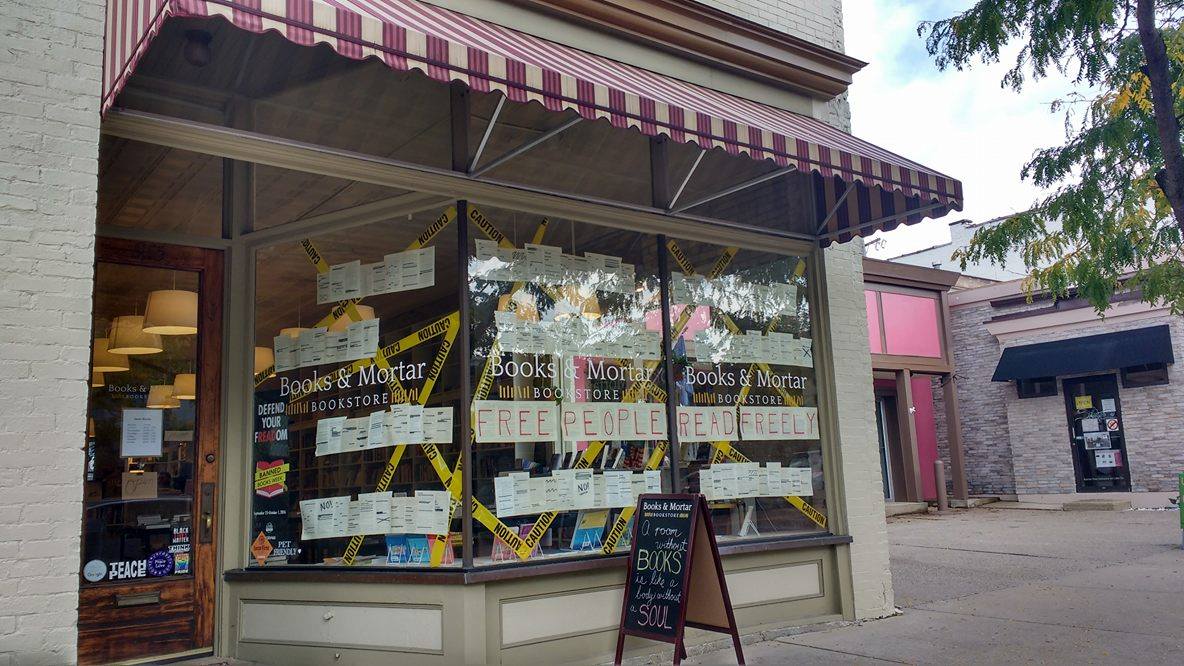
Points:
x=141, y=426
x=150, y=466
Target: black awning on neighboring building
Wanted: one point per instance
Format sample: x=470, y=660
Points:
x=1108, y=351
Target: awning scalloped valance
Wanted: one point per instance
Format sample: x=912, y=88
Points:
x=886, y=189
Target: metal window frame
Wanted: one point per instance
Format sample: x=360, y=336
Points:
x=426, y=188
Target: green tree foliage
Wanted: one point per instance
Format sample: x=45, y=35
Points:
x=1113, y=217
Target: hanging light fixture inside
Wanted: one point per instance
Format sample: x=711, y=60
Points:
x=104, y=361
x=344, y=321
x=160, y=396
x=591, y=308
x=96, y=379
x=295, y=331
x=128, y=337
x=171, y=312
x=185, y=386
x=264, y=359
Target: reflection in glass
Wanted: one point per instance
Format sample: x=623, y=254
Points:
x=569, y=421
x=745, y=383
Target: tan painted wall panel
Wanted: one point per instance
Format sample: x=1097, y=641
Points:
x=548, y=617
x=760, y=586
x=345, y=625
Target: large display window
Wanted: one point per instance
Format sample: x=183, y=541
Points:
x=743, y=358
x=569, y=414
x=553, y=335
x=356, y=392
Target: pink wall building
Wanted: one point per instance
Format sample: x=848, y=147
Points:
x=909, y=337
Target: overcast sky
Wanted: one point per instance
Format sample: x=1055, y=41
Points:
x=962, y=124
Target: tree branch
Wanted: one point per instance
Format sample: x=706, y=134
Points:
x=1171, y=177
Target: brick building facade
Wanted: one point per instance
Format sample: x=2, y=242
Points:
x=1021, y=446
x=49, y=140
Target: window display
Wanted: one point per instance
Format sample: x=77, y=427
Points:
x=569, y=415
x=357, y=456
x=356, y=396
x=748, y=423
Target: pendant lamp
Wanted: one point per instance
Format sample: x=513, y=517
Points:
x=105, y=361
x=128, y=337
x=160, y=396
x=344, y=321
x=293, y=331
x=264, y=359
x=591, y=308
x=185, y=386
x=171, y=312
x=97, y=380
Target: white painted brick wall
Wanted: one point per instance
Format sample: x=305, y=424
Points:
x=859, y=451
x=816, y=21
x=50, y=72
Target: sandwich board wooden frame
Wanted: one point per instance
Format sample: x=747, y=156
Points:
x=705, y=603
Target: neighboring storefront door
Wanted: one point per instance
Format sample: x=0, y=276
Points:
x=1096, y=431
x=150, y=491
x=885, y=419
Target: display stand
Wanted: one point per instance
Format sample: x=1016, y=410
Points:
x=675, y=578
x=748, y=525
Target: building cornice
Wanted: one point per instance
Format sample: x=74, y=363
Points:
x=909, y=275
x=1066, y=321
x=714, y=37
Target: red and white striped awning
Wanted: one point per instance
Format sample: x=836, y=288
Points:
x=447, y=45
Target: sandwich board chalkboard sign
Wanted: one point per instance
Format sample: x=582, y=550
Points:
x=675, y=578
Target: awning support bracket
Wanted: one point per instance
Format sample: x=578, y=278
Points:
x=497, y=111
x=763, y=178
x=834, y=209
x=881, y=220
x=686, y=179
x=529, y=145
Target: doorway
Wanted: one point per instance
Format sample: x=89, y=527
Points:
x=1096, y=434
x=149, y=542
x=889, y=436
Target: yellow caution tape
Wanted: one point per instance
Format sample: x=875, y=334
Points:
x=429, y=383
x=454, y=480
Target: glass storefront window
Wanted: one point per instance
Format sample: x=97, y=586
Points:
x=569, y=416
x=141, y=426
x=356, y=392
x=747, y=418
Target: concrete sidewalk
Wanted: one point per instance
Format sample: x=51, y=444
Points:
x=988, y=586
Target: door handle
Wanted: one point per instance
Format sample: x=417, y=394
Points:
x=206, y=527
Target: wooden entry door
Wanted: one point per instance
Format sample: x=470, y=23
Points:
x=150, y=496
x=1096, y=432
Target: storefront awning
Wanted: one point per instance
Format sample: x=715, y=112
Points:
x=1107, y=351
x=859, y=187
